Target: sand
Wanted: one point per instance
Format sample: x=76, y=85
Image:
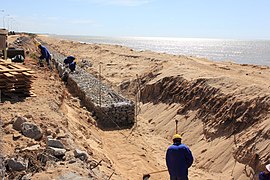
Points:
x=223, y=109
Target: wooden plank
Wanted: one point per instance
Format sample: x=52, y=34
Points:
x=8, y=75
x=14, y=70
x=31, y=72
x=12, y=80
x=15, y=79
x=5, y=63
x=3, y=67
x=19, y=67
x=21, y=80
x=12, y=67
x=26, y=74
x=14, y=73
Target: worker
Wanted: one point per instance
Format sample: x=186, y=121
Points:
x=178, y=159
x=70, y=62
x=45, y=54
x=265, y=175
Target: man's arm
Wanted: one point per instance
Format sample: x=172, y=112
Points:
x=43, y=54
x=189, y=157
x=168, y=162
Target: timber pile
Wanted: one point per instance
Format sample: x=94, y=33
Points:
x=15, y=79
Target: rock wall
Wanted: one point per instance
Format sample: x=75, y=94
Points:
x=111, y=109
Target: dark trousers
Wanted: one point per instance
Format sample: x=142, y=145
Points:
x=178, y=178
x=48, y=61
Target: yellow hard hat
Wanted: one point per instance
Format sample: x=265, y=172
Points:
x=177, y=136
x=36, y=42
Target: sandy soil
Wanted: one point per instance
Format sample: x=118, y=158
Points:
x=223, y=111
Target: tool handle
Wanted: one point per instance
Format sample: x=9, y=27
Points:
x=159, y=171
x=176, y=122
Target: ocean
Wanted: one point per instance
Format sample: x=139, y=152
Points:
x=239, y=51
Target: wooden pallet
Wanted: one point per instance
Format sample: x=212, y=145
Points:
x=15, y=78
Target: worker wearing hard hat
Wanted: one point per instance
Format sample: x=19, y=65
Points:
x=178, y=159
x=70, y=62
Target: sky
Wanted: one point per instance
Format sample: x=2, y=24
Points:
x=228, y=19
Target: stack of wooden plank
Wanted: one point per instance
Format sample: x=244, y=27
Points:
x=15, y=79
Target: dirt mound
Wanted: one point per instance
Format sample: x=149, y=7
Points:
x=223, y=114
x=57, y=114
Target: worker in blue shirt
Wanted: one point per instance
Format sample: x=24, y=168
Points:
x=178, y=159
x=70, y=62
x=265, y=175
x=45, y=54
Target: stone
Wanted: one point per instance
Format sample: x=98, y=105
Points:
x=48, y=132
x=29, y=116
x=54, y=143
x=61, y=134
x=71, y=161
x=27, y=176
x=82, y=155
x=70, y=176
x=52, y=78
x=2, y=166
x=19, y=164
x=18, y=121
x=32, y=148
x=57, y=130
x=56, y=151
x=16, y=136
x=31, y=130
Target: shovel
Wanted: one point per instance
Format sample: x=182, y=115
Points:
x=147, y=176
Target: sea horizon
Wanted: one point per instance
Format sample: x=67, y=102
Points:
x=256, y=51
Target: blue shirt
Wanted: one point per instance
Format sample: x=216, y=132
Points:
x=72, y=66
x=45, y=54
x=69, y=60
x=178, y=159
x=263, y=176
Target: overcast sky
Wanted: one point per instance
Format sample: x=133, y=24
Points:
x=234, y=19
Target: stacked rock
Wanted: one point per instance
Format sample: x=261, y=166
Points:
x=111, y=109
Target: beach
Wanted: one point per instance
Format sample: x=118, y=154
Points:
x=223, y=110
x=233, y=50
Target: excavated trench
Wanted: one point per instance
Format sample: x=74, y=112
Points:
x=223, y=115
